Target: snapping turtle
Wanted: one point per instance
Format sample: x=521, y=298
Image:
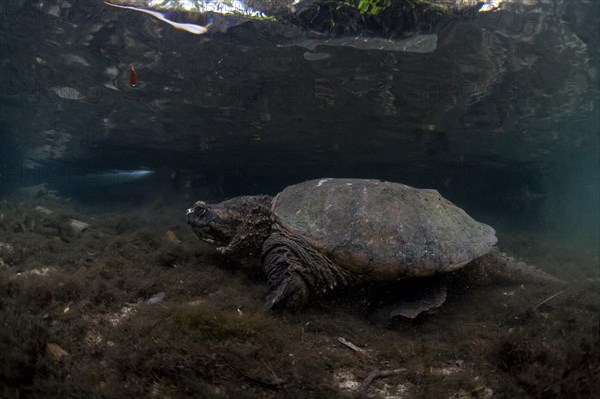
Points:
x=321, y=234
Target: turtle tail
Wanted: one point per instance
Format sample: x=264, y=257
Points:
x=499, y=266
x=296, y=271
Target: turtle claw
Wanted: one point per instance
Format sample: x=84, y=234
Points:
x=226, y=250
x=272, y=300
x=291, y=293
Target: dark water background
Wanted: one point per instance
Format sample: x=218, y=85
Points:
x=501, y=119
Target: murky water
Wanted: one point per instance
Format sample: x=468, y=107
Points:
x=496, y=108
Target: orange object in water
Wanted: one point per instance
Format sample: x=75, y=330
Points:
x=171, y=236
x=132, y=76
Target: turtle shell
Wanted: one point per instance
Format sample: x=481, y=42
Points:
x=382, y=230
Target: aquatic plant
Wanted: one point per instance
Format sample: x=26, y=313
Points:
x=373, y=7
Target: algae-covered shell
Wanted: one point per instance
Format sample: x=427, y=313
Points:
x=382, y=230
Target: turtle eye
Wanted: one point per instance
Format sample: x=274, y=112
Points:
x=199, y=208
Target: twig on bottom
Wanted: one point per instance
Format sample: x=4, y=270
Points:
x=362, y=390
x=350, y=345
x=276, y=379
x=549, y=298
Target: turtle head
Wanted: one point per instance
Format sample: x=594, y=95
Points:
x=216, y=223
x=233, y=224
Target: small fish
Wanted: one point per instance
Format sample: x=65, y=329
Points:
x=109, y=177
x=132, y=76
x=426, y=43
x=192, y=28
x=120, y=176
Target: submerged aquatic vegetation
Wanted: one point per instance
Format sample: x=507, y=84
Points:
x=373, y=7
x=209, y=337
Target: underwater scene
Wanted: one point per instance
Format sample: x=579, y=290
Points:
x=385, y=199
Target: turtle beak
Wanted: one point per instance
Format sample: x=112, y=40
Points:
x=194, y=214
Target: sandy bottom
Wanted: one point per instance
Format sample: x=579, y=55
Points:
x=132, y=305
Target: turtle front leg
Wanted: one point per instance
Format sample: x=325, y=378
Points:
x=296, y=271
x=287, y=277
